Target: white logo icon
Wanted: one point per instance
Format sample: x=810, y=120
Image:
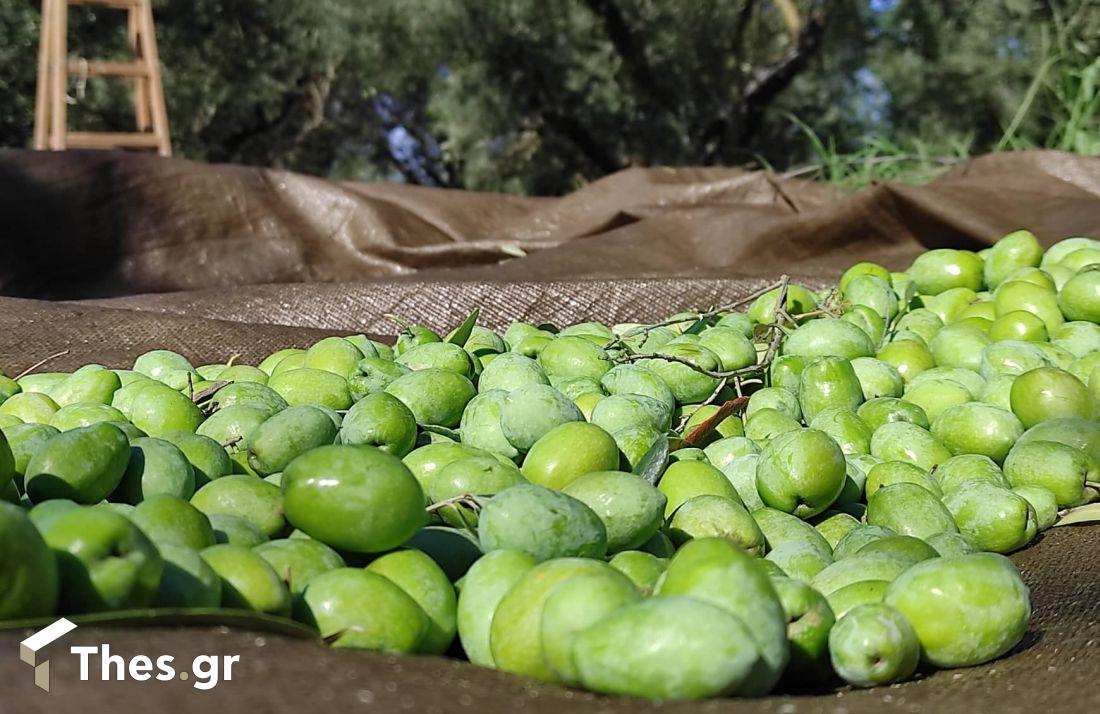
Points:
x=28, y=649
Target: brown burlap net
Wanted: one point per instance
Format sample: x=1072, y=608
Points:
x=213, y=261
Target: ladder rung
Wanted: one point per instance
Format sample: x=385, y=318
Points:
x=112, y=140
x=120, y=4
x=101, y=68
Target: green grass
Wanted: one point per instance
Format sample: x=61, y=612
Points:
x=879, y=160
x=1060, y=110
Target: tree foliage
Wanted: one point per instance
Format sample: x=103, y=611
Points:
x=539, y=96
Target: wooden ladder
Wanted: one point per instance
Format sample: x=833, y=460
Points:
x=55, y=68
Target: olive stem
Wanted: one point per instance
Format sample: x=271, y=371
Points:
x=465, y=499
x=709, y=400
x=207, y=393
x=38, y=364
x=751, y=369
x=702, y=315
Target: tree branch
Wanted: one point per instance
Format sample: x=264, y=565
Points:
x=625, y=44
x=575, y=132
x=771, y=80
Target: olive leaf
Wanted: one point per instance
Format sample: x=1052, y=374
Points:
x=207, y=394
x=1081, y=514
x=695, y=329
x=697, y=435
x=441, y=430
x=653, y=464
x=462, y=333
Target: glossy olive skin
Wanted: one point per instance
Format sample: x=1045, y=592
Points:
x=630, y=508
x=687, y=479
x=666, y=648
x=515, y=632
x=687, y=384
x=909, y=509
x=529, y=413
x=941, y=269
x=809, y=619
x=427, y=584
x=248, y=582
x=879, y=411
x=573, y=606
x=187, y=581
x=28, y=570
x=965, y=609
x=861, y=567
x=247, y=497
x=632, y=379
x=904, y=441
x=801, y=472
x=710, y=516
x=84, y=465
x=644, y=569
x=781, y=528
x=156, y=467
x=891, y=472
x=1058, y=467
x=1050, y=393
x=545, y=523
x=168, y=519
x=568, y=452
x=829, y=383
x=994, y=519
x=104, y=561
x=829, y=337
x=236, y=530
x=872, y=645
x=716, y=571
x=473, y=475
x=356, y=498
x=976, y=428
x=484, y=585
x=364, y=610
x=286, y=435
x=159, y=410
x=31, y=407
x=438, y=355
x=1079, y=298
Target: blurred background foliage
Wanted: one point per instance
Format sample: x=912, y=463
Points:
x=541, y=96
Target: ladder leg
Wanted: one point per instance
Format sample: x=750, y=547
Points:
x=42, y=88
x=141, y=87
x=156, y=88
x=59, y=75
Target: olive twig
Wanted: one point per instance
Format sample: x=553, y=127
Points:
x=701, y=315
x=208, y=393
x=335, y=636
x=38, y=364
x=709, y=400
x=465, y=499
x=671, y=358
x=405, y=325
x=777, y=334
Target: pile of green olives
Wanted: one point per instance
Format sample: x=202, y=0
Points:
x=819, y=489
